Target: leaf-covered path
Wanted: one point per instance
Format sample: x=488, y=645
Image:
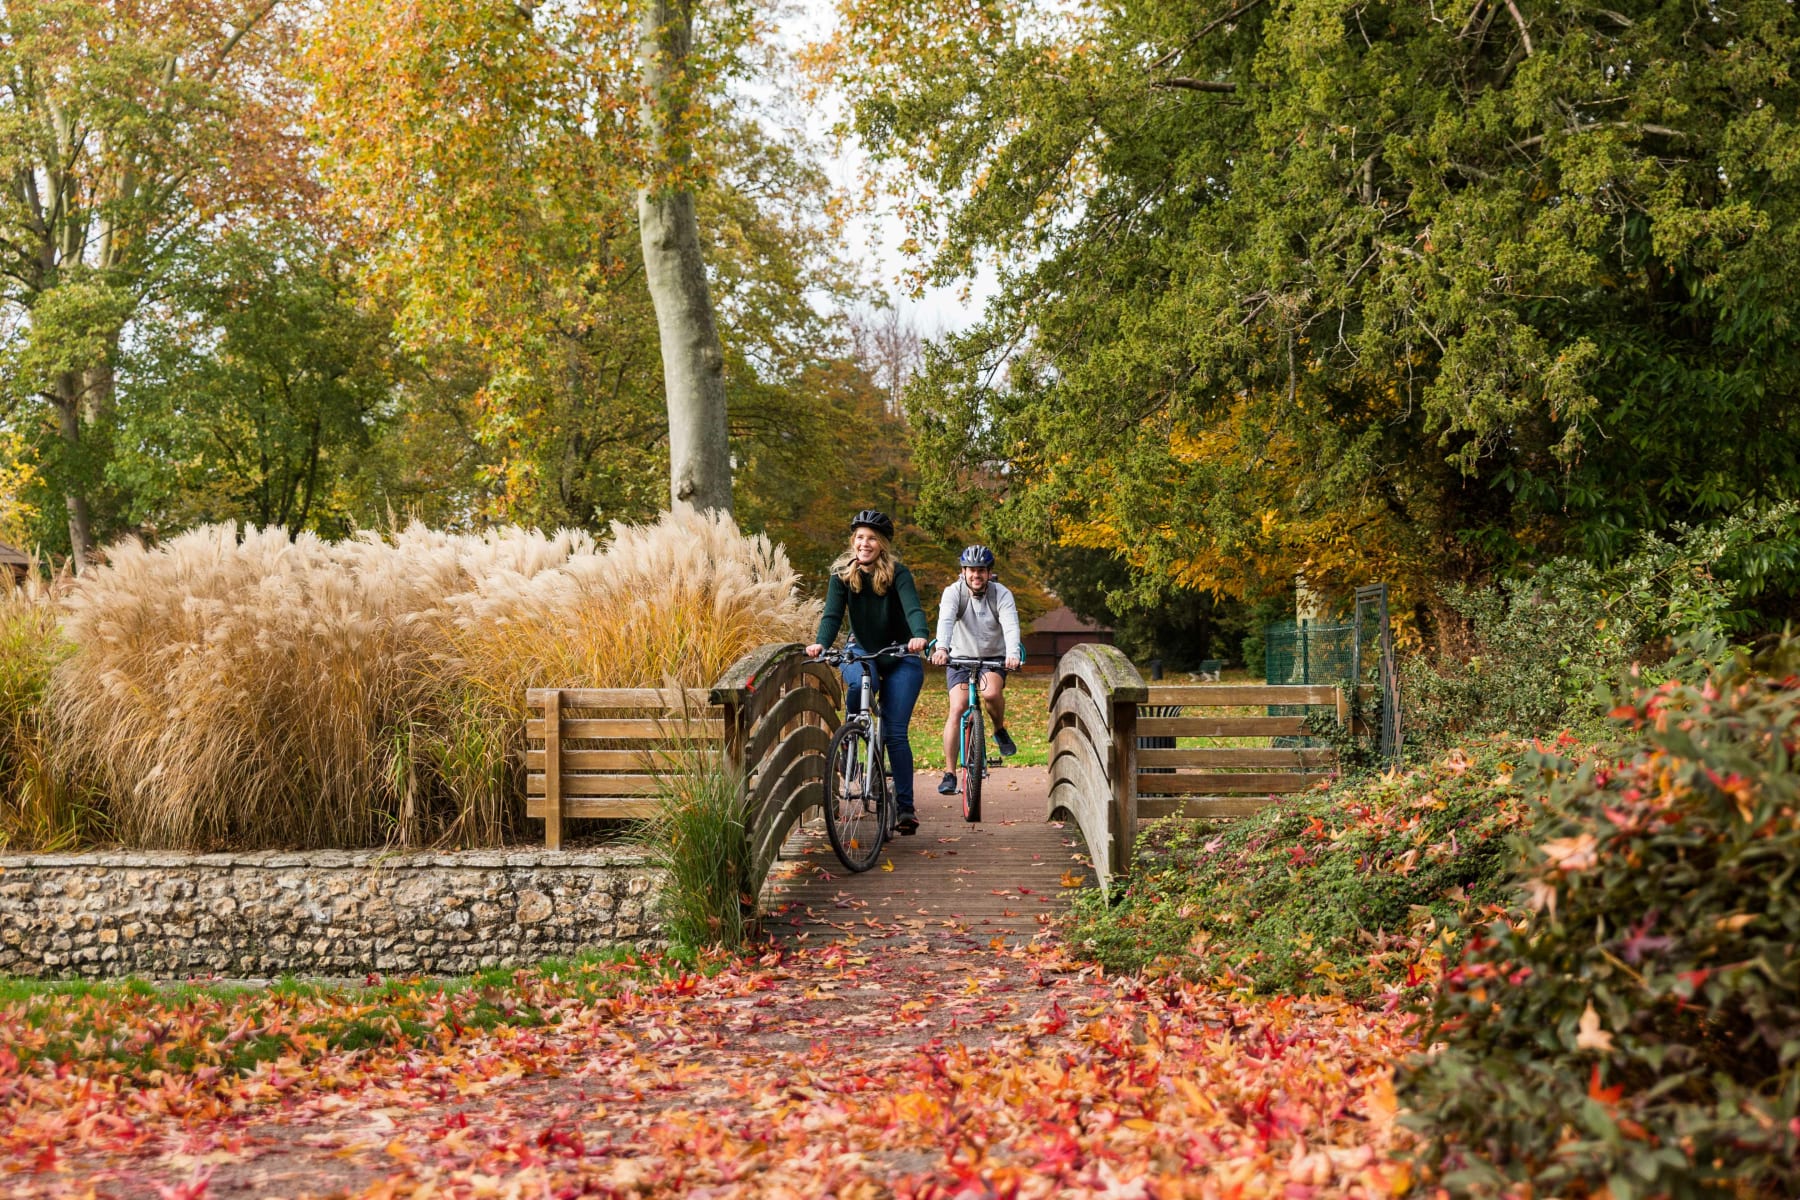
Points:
x=893, y=1054
x=952, y=883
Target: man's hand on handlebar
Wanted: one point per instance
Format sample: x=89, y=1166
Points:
x=940, y=657
x=1012, y=663
x=916, y=645
x=814, y=650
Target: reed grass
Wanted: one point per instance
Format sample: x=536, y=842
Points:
x=244, y=688
x=699, y=838
x=37, y=810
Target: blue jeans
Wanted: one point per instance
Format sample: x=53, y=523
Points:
x=898, y=684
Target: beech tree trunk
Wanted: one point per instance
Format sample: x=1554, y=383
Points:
x=693, y=360
x=68, y=402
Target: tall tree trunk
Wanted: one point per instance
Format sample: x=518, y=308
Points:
x=68, y=419
x=693, y=360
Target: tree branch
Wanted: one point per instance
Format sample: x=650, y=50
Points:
x=251, y=19
x=1211, y=25
x=1519, y=20
x=1537, y=139
x=1195, y=85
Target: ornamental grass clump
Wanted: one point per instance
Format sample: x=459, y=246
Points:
x=1631, y=1027
x=236, y=688
x=699, y=838
x=251, y=689
x=670, y=604
x=37, y=811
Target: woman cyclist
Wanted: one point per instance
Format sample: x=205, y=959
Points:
x=877, y=592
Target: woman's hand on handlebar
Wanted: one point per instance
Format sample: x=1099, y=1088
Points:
x=916, y=645
x=814, y=650
x=940, y=656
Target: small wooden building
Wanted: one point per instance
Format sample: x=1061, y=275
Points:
x=1056, y=631
x=15, y=563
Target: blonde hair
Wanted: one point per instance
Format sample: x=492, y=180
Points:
x=881, y=570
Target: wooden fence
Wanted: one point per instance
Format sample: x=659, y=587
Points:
x=593, y=752
x=1103, y=780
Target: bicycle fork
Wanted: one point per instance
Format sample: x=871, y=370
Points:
x=871, y=750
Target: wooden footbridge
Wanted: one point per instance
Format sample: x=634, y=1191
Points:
x=1006, y=877
x=1045, y=832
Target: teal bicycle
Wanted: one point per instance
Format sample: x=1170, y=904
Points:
x=971, y=738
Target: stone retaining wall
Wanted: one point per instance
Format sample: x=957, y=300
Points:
x=172, y=916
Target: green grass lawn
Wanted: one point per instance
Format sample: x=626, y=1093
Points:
x=1028, y=717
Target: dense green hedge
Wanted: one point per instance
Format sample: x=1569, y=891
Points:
x=1343, y=892
x=1631, y=1028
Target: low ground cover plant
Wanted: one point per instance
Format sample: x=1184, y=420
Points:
x=1349, y=891
x=245, y=688
x=137, y=1032
x=1630, y=1027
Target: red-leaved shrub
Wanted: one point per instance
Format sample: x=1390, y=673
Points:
x=1631, y=1027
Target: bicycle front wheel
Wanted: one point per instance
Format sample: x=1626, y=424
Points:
x=855, y=798
x=974, y=763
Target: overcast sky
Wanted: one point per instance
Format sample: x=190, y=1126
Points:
x=875, y=241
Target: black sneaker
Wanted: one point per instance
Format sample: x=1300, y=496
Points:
x=1003, y=739
x=947, y=785
x=908, y=824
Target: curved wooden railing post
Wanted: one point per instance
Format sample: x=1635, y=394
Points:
x=780, y=709
x=1094, y=697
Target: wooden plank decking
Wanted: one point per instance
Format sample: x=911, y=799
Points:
x=956, y=883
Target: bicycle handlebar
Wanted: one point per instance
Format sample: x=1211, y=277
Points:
x=838, y=657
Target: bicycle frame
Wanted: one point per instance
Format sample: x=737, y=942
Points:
x=978, y=667
x=875, y=758
x=870, y=711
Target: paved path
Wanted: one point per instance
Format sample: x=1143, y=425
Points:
x=953, y=883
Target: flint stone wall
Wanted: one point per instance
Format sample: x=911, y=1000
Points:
x=171, y=916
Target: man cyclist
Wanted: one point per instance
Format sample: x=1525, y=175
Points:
x=976, y=619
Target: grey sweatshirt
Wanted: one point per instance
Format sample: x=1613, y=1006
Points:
x=984, y=626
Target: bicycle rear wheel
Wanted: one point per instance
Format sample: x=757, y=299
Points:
x=974, y=761
x=855, y=798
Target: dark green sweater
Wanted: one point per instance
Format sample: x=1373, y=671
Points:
x=876, y=621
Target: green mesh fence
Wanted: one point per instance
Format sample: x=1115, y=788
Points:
x=1306, y=652
x=1309, y=652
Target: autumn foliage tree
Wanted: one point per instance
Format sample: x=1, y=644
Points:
x=529, y=184
x=1364, y=290
x=125, y=128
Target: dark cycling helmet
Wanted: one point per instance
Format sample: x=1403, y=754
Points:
x=880, y=522
x=977, y=556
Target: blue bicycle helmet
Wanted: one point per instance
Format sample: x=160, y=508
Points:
x=977, y=556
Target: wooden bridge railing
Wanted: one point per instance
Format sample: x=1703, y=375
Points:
x=780, y=710
x=591, y=752
x=1094, y=700
x=1106, y=782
